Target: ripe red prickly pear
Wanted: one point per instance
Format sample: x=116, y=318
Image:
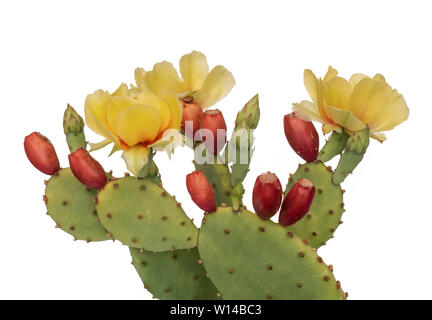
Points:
x=297, y=202
x=213, y=130
x=301, y=136
x=41, y=153
x=191, y=114
x=201, y=191
x=267, y=195
x=86, y=169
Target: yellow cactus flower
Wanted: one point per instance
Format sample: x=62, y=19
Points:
x=196, y=81
x=134, y=119
x=352, y=104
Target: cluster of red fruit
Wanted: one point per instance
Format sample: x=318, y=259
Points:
x=267, y=192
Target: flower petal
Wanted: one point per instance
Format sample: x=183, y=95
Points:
x=311, y=84
x=327, y=128
x=345, y=118
x=140, y=78
x=163, y=77
x=194, y=69
x=331, y=73
x=356, y=78
x=391, y=115
x=337, y=92
x=171, y=139
x=136, y=158
x=378, y=136
x=174, y=106
x=99, y=145
x=137, y=124
x=151, y=100
x=307, y=111
x=95, y=110
x=218, y=83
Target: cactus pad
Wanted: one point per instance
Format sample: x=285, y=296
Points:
x=71, y=205
x=175, y=275
x=248, y=258
x=143, y=215
x=326, y=210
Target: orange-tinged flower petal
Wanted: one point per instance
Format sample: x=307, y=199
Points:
x=194, y=69
x=160, y=106
x=137, y=124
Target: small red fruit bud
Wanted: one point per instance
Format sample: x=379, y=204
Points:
x=301, y=136
x=191, y=114
x=201, y=191
x=297, y=202
x=267, y=195
x=41, y=153
x=86, y=169
x=213, y=130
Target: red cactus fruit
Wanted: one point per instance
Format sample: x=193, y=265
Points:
x=201, y=191
x=41, y=153
x=86, y=169
x=213, y=130
x=297, y=202
x=267, y=195
x=302, y=137
x=191, y=114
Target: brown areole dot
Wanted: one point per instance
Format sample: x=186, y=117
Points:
x=226, y=231
x=326, y=278
x=140, y=217
x=142, y=188
x=269, y=267
x=115, y=185
x=290, y=234
x=268, y=297
x=164, y=238
x=299, y=285
x=64, y=203
x=261, y=229
x=109, y=216
x=163, y=194
x=164, y=218
x=71, y=228
x=301, y=254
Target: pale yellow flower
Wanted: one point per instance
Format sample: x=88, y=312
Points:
x=352, y=105
x=207, y=88
x=134, y=119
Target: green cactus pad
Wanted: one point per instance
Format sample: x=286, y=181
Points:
x=71, y=205
x=334, y=146
x=141, y=214
x=353, y=154
x=325, y=213
x=175, y=275
x=249, y=258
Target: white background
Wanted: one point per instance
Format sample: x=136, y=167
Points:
x=54, y=52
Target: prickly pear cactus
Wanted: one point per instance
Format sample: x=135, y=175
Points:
x=71, y=206
x=173, y=275
x=248, y=258
x=324, y=216
x=143, y=215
